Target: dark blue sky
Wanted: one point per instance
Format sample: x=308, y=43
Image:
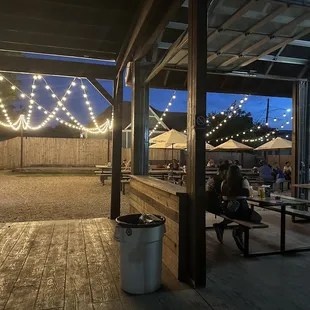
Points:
x=158, y=98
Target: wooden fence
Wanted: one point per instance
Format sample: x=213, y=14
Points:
x=66, y=152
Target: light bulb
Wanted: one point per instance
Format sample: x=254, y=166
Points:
x=267, y=124
x=68, y=113
x=47, y=87
x=72, y=117
x=166, y=109
x=31, y=101
x=274, y=119
x=244, y=133
x=288, y=110
x=32, y=94
x=56, y=109
x=68, y=92
x=169, y=103
x=63, y=108
x=229, y=116
x=91, y=113
x=39, y=77
x=213, y=117
x=35, y=77
x=225, y=120
x=39, y=107
x=246, y=98
x=1, y=78
x=57, y=119
x=83, y=86
x=84, y=95
x=174, y=96
x=222, y=112
x=1, y=105
x=258, y=127
x=63, y=98
x=87, y=102
x=23, y=95
x=241, y=101
x=33, y=86
x=287, y=122
x=59, y=103
x=73, y=84
x=164, y=114
x=240, y=105
x=232, y=107
x=90, y=108
x=13, y=87
x=282, y=126
x=53, y=95
x=45, y=112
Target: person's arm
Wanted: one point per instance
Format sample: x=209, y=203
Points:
x=246, y=186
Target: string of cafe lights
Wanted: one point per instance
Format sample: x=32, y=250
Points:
x=257, y=127
x=234, y=108
x=160, y=121
x=51, y=115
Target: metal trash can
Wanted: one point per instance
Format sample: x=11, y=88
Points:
x=140, y=237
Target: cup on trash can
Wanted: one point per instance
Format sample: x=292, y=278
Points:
x=140, y=237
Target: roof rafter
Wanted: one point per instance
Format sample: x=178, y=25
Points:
x=173, y=50
x=253, y=47
x=101, y=90
x=251, y=30
x=56, y=67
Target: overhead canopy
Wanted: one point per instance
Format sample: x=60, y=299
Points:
x=275, y=144
x=232, y=145
x=209, y=147
x=169, y=137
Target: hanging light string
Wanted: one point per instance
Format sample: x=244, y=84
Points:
x=160, y=121
x=90, y=109
x=234, y=108
x=51, y=115
x=32, y=94
x=256, y=127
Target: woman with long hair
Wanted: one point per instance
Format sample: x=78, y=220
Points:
x=235, y=190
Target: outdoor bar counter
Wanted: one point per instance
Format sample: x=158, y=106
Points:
x=150, y=195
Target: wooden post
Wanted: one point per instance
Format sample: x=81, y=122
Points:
x=139, y=121
x=117, y=148
x=21, y=146
x=196, y=128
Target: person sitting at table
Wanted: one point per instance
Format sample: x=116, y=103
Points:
x=237, y=163
x=213, y=190
x=124, y=163
x=128, y=165
x=278, y=174
x=235, y=189
x=265, y=172
x=174, y=165
x=287, y=170
x=211, y=163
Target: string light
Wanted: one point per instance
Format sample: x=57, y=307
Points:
x=160, y=121
x=233, y=109
x=50, y=115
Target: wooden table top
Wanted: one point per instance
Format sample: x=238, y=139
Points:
x=272, y=201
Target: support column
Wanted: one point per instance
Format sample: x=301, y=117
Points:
x=117, y=148
x=196, y=128
x=139, y=120
x=301, y=136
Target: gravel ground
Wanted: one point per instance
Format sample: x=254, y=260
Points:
x=32, y=197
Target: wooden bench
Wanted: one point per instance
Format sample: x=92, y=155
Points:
x=247, y=225
x=124, y=181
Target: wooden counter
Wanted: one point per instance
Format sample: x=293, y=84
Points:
x=150, y=195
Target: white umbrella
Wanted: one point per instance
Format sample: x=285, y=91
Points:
x=172, y=136
x=276, y=144
x=209, y=147
x=232, y=145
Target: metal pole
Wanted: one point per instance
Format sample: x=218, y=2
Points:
x=108, y=134
x=21, y=146
x=267, y=110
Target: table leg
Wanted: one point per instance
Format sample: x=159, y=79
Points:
x=282, y=234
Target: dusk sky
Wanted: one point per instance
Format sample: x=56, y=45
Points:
x=158, y=99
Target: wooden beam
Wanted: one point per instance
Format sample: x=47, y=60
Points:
x=102, y=90
x=129, y=45
x=56, y=67
x=172, y=7
x=196, y=107
x=117, y=148
x=139, y=121
x=173, y=50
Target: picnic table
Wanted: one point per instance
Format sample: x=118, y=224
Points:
x=281, y=206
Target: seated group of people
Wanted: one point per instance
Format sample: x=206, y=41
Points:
x=274, y=173
x=227, y=194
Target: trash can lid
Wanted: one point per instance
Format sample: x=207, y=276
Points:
x=140, y=220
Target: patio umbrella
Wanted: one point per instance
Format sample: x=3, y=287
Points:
x=232, y=145
x=275, y=144
x=209, y=147
x=169, y=138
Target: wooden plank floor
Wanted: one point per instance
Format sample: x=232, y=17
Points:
x=74, y=264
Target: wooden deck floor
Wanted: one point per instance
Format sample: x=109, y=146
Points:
x=75, y=265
